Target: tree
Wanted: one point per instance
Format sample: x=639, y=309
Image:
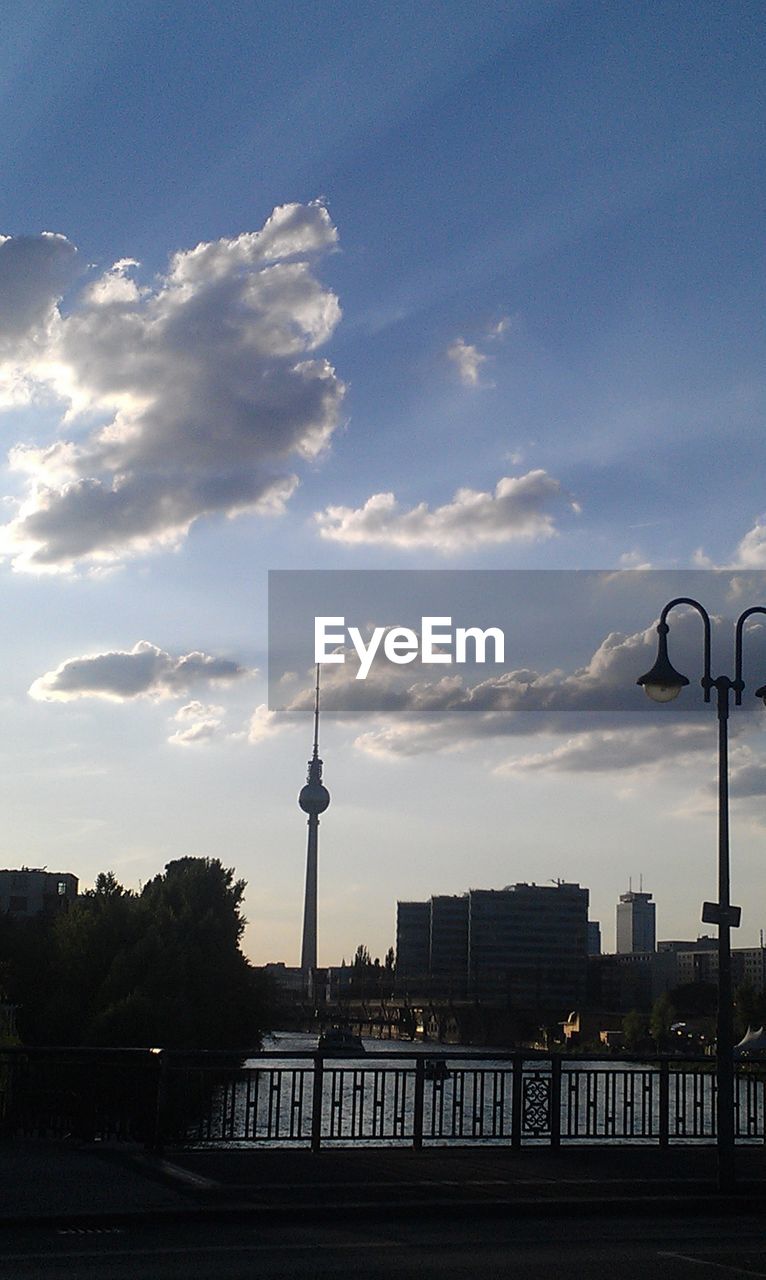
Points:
x=695, y=999
x=362, y=957
x=163, y=967
x=634, y=1029
x=661, y=1019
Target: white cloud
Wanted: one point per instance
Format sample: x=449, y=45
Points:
x=607, y=751
x=198, y=732
x=206, y=388
x=518, y=509
x=197, y=711
x=468, y=360
x=200, y=724
x=751, y=551
x=142, y=672
x=633, y=560
x=263, y=723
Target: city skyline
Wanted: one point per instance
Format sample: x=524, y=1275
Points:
x=361, y=289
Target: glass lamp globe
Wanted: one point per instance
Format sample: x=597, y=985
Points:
x=662, y=692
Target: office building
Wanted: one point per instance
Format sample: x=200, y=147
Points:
x=448, y=952
x=636, y=923
x=527, y=945
x=413, y=941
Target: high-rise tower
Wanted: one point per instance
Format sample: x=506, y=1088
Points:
x=313, y=800
x=636, y=923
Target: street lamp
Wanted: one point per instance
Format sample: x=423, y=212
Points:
x=663, y=683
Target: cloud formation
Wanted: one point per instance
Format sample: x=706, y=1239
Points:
x=35, y=272
x=612, y=750
x=205, y=387
x=519, y=509
x=199, y=724
x=468, y=357
x=615, y=725
x=468, y=360
x=141, y=672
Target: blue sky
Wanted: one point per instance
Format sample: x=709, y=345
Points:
x=508, y=314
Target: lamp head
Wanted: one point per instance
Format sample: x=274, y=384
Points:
x=663, y=683
x=761, y=693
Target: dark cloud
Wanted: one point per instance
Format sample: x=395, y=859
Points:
x=144, y=671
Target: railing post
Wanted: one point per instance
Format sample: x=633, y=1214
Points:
x=664, y=1102
x=316, y=1103
x=417, y=1119
x=516, y=1086
x=555, y=1100
x=158, y=1138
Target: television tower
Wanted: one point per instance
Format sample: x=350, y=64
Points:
x=313, y=800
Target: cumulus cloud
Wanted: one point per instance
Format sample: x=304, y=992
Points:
x=633, y=560
x=35, y=272
x=519, y=509
x=201, y=731
x=142, y=672
x=205, y=387
x=263, y=723
x=199, y=724
x=468, y=360
x=750, y=552
x=468, y=357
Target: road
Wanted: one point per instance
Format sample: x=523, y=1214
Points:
x=573, y=1248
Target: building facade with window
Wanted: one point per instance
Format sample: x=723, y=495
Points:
x=32, y=891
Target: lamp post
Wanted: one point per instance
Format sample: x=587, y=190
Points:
x=663, y=683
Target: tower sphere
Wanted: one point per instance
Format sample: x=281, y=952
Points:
x=314, y=798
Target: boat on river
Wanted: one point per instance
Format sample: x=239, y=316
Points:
x=339, y=1042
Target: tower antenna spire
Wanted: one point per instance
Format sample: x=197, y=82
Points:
x=316, y=717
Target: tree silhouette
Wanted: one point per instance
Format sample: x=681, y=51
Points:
x=160, y=968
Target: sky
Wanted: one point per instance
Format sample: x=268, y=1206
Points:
x=343, y=286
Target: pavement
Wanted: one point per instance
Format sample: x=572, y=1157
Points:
x=96, y=1185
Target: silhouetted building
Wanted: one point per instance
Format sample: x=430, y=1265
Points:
x=594, y=938
x=413, y=941
x=527, y=945
x=31, y=891
x=288, y=980
x=523, y=946
x=705, y=943
x=636, y=923
x=619, y=983
x=448, y=956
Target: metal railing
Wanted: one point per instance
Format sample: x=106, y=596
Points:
x=165, y=1098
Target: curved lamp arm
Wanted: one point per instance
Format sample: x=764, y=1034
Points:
x=663, y=629
x=741, y=620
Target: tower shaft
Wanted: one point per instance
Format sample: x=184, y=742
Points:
x=309, y=947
